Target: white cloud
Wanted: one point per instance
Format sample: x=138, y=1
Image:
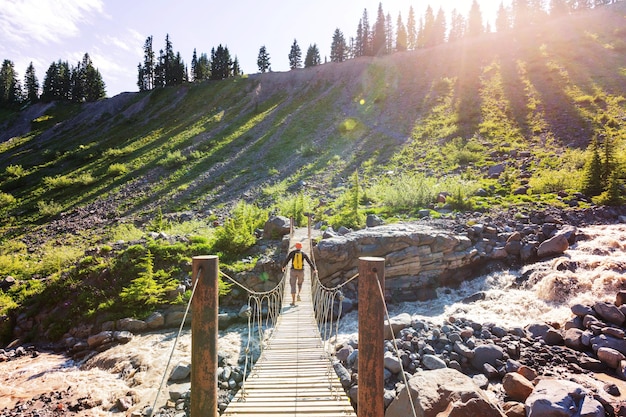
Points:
x=44, y=21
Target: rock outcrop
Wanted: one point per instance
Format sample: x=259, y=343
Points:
x=418, y=258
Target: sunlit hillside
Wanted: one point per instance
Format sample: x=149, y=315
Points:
x=491, y=122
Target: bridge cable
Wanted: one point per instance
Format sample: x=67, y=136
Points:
x=254, y=313
x=395, y=346
x=180, y=330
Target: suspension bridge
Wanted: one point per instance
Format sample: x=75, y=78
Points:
x=294, y=373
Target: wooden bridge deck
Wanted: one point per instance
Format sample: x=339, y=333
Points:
x=293, y=376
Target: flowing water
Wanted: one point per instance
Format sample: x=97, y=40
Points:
x=593, y=269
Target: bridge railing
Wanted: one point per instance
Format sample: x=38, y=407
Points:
x=372, y=314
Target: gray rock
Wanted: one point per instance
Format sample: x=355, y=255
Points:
x=609, y=312
x=180, y=372
x=343, y=374
x=155, y=320
x=442, y=389
x=122, y=337
x=373, y=220
x=556, y=398
x=397, y=323
x=554, y=246
x=573, y=339
x=276, y=227
x=343, y=353
x=582, y=310
x=100, y=339
x=392, y=363
x=611, y=357
x=486, y=354
x=132, y=325
x=433, y=362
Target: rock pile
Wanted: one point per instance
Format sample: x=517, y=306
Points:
x=531, y=371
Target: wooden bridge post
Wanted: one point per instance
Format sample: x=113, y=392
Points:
x=204, y=337
x=371, y=337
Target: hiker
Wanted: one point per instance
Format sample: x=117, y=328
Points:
x=296, y=275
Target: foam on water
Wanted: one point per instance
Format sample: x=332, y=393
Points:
x=593, y=269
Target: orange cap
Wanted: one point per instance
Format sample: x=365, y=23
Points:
x=298, y=245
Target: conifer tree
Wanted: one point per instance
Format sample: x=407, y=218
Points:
x=366, y=40
x=439, y=28
x=503, y=19
x=592, y=176
x=457, y=26
x=475, y=20
x=295, y=56
x=401, y=35
x=221, y=63
x=263, y=60
x=338, y=47
x=389, y=34
x=31, y=85
x=358, y=43
x=379, y=40
x=10, y=87
x=428, y=29
x=608, y=155
x=312, y=56
x=411, y=30
x=236, y=67
x=145, y=79
x=194, y=64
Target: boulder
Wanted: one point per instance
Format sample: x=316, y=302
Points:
x=397, y=323
x=276, y=227
x=560, y=398
x=486, y=354
x=155, y=320
x=609, y=312
x=554, y=246
x=180, y=372
x=131, y=325
x=443, y=393
x=611, y=357
x=516, y=386
x=100, y=339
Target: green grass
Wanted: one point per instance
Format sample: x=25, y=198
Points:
x=407, y=131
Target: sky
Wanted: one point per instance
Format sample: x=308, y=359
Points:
x=113, y=32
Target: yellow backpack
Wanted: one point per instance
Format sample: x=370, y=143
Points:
x=297, y=261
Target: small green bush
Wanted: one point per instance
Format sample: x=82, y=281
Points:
x=237, y=234
x=15, y=171
x=117, y=169
x=173, y=159
x=49, y=208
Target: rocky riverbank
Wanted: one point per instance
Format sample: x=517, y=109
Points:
x=541, y=369
x=542, y=349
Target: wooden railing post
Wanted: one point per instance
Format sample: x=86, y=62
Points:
x=204, y=337
x=371, y=337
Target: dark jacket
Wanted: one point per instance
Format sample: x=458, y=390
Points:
x=291, y=255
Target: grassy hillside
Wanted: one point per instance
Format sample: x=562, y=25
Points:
x=410, y=125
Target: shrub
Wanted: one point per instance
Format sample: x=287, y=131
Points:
x=144, y=290
x=173, y=159
x=48, y=208
x=15, y=171
x=116, y=170
x=404, y=192
x=6, y=200
x=295, y=207
x=237, y=234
